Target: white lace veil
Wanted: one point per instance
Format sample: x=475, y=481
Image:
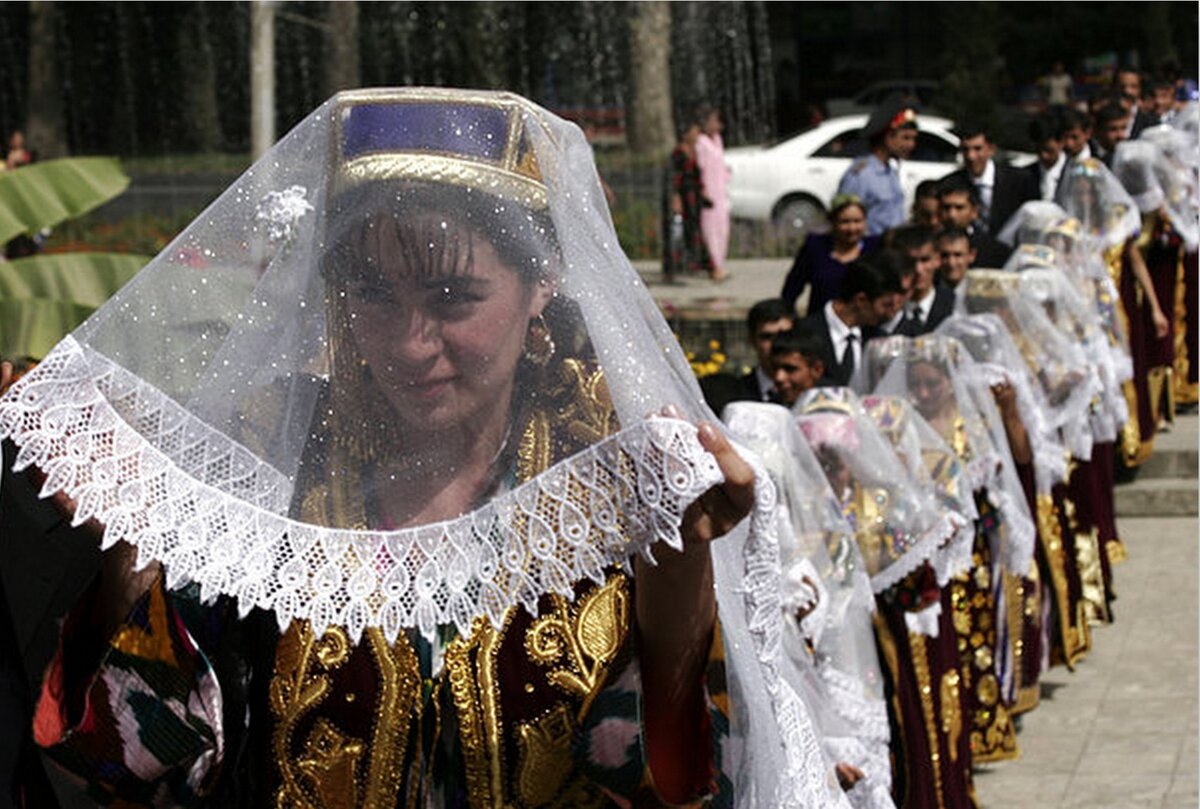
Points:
x=1091, y=193
x=416, y=293
x=903, y=520
x=934, y=465
x=1098, y=335
x=833, y=661
x=1064, y=380
x=991, y=344
x=1030, y=221
x=1165, y=149
x=939, y=378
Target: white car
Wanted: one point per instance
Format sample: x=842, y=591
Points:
x=792, y=182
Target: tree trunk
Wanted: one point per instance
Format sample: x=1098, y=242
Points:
x=46, y=133
x=342, y=60
x=262, y=77
x=202, y=123
x=651, y=123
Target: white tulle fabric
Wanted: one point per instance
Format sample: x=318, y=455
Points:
x=922, y=529
x=829, y=656
x=991, y=344
x=933, y=465
x=985, y=452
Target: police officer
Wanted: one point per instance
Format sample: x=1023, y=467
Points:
x=891, y=134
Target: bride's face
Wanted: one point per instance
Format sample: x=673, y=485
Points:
x=441, y=321
x=930, y=389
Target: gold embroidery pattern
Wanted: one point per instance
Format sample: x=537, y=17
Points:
x=916, y=643
x=1076, y=638
x=327, y=773
x=951, y=715
x=471, y=672
x=1185, y=392
x=587, y=640
x=1091, y=575
x=545, y=745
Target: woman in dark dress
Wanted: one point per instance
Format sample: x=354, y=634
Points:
x=683, y=243
x=823, y=259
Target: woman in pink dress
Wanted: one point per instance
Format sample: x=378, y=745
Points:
x=714, y=220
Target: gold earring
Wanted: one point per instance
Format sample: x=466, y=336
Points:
x=539, y=345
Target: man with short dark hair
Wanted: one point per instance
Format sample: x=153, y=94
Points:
x=798, y=362
x=1001, y=188
x=954, y=246
x=925, y=204
x=892, y=261
x=930, y=303
x=1127, y=84
x=765, y=321
x=1047, y=170
x=960, y=208
x=1110, y=128
x=1074, y=130
x=866, y=298
x=891, y=134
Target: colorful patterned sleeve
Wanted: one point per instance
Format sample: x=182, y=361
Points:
x=144, y=728
x=611, y=747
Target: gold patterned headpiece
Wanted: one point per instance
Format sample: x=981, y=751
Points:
x=451, y=137
x=990, y=283
x=826, y=400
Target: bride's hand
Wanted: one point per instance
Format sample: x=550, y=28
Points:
x=723, y=506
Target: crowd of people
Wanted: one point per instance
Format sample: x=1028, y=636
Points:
x=970, y=379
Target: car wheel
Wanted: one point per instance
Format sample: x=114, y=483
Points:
x=795, y=218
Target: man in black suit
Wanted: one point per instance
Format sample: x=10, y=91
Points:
x=765, y=321
x=930, y=303
x=1002, y=189
x=959, y=201
x=867, y=297
x=1127, y=85
x=1109, y=128
x=1045, y=172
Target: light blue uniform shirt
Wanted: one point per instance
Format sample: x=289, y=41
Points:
x=877, y=184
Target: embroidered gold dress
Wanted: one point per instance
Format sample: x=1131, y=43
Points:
x=190, y=707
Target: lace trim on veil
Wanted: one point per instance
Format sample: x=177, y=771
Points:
x=191, y=498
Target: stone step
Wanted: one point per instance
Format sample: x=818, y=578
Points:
x=1162, y=497
x=1170, y=463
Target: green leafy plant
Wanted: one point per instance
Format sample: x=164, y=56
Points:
x=43, y=297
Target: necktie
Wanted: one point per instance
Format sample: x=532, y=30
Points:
x=848, y=356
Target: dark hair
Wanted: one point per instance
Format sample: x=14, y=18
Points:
x=958, y=184
x=910, y=237
x=528, y=243
x=1045, y=127
x=869, y=277
x=972, y=129
x=1071, y=119
x=802, y=339
x=767, y=311
x=1109, y=113
x=894, y=262
x=703, y=111
x=952, y=233
x=926, y=189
